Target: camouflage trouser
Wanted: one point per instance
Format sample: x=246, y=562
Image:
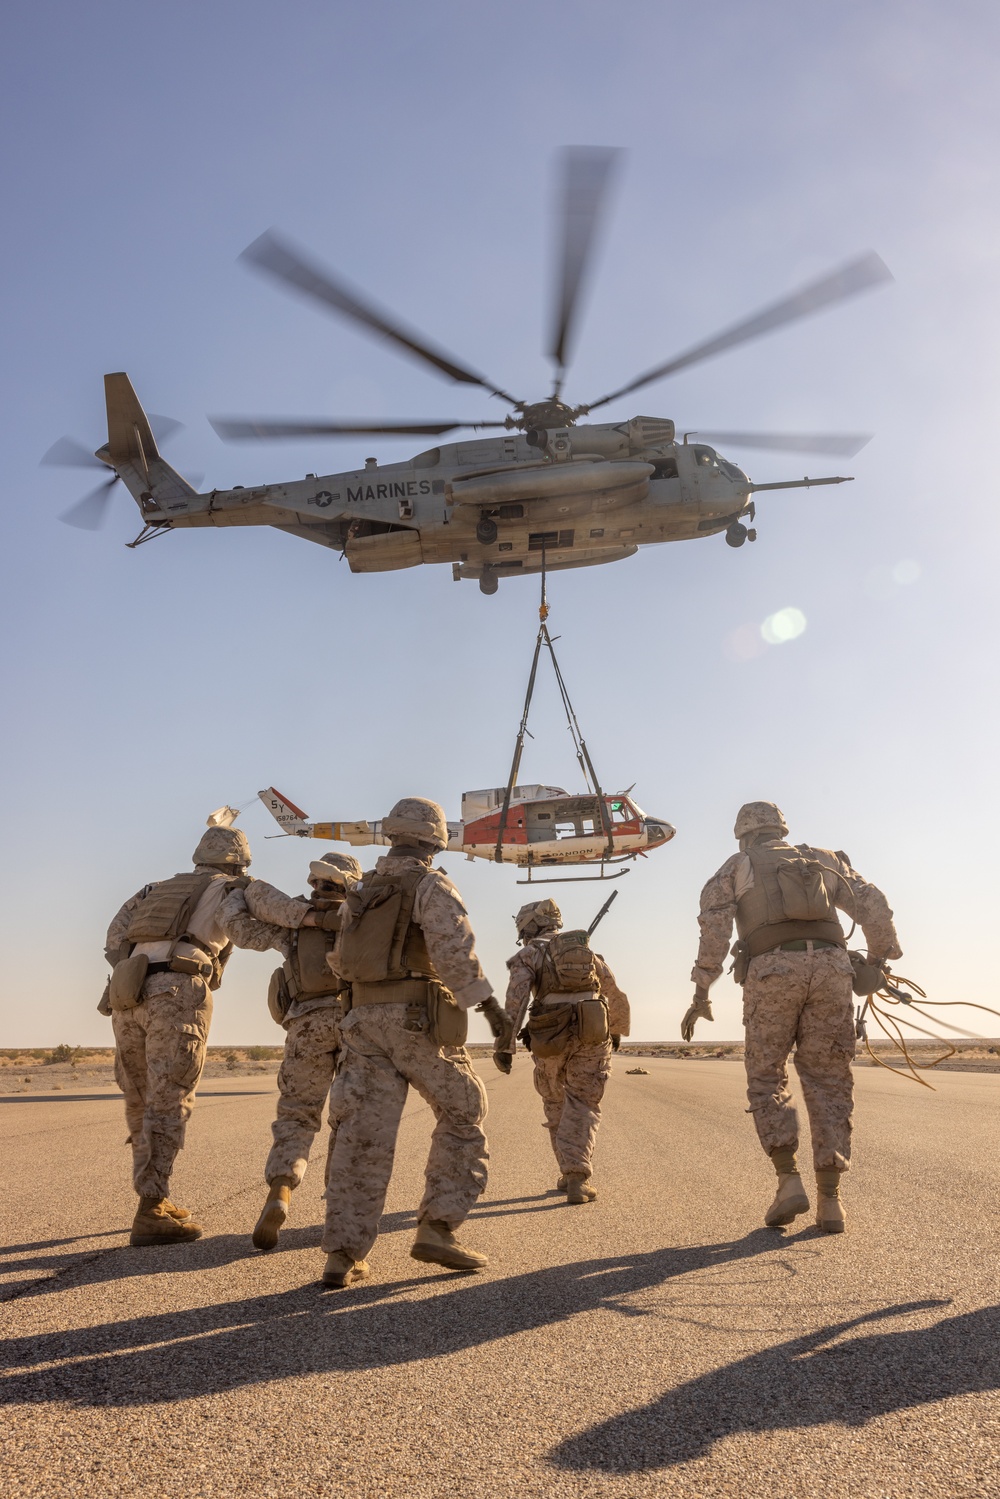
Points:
x=312, y=1045
x=571, y=1087
x=158, y=1061
x=801, y=999
x=381, y=1061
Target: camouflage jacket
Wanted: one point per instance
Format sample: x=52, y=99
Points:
x=439, y=913
x=525, y=972
x=860, y=901
x=216, y=920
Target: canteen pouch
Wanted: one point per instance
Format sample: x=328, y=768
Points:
x=551, y=1031
x=449, y=1023
x=127, y=979
x=278, y=998
x=104, y=1007
x=741, y=961
x=867, y=977
x=594, y=1022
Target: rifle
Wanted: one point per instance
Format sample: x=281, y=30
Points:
x=601, y=914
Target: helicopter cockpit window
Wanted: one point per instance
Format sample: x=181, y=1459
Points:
x=621, y=810
x=705, y=457
x=732, y=472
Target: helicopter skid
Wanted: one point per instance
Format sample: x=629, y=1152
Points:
x=570, y=879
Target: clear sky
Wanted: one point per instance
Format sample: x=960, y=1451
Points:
x=412, y=148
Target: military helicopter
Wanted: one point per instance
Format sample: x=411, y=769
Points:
x=544, y=826
x=546, y=490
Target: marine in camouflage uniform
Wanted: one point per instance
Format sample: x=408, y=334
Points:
x=160, y=1043
x=797, y=992
x=389, y=1048
x=571, y=1084
x=306, y=1002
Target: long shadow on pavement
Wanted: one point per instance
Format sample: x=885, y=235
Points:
x=802, y=1383
x=309, y=1330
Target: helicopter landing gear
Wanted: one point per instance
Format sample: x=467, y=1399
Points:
x=486, y=531
x=737, y=534
x=488, y=581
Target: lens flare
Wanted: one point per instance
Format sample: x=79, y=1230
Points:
x=785, y=624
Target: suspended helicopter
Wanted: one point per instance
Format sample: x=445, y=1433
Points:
x=546, y=485
x=543, y=826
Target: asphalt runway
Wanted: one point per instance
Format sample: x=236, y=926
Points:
x=657, y=1342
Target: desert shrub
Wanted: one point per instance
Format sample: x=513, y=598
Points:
x=232, y=1061
x=259, y=1053
x=63, y=1053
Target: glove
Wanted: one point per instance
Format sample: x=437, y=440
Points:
x=699, y=1009
x=504, y=1060
x=616, y=1041
x=499, y=1023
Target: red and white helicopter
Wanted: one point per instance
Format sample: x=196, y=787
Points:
x=542, y=826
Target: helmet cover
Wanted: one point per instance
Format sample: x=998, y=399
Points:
x=417, y=820
x=226, y=848
x=753, y=817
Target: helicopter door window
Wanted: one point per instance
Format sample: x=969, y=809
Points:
x=620, y=810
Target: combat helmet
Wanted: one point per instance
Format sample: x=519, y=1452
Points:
x=754, y=817
x=226, y=848
x=414, y=819
x=326, y=867
x=536, y=917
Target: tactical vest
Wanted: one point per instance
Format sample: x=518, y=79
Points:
x=379, y=941
x=163, y=914
x=568, y=966
x=790, y=899
x=307, y=973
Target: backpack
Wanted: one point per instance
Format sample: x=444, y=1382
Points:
x=568, y=965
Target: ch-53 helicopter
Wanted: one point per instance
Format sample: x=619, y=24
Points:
x=547, y=491
x=533, y=827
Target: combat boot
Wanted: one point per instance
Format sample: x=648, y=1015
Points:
x=341, y=1270
x=789, y=1201
x=561, y=1184
x=274, y=1213
x=175, y=1211
x=435, y=1244
x=153, y=1224
x=579, y=1188
x=830, y=1215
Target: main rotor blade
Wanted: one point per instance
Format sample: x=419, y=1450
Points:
x=68, y=453
x=90, y=513
x=837, y=444
x=235, y=429
x=856, y=276
x=586, y=177
x=163, y=427
x=278, y=258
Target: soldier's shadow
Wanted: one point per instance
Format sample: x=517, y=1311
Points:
x=203, y=1350
x=98, y=1266
x=809, y=1381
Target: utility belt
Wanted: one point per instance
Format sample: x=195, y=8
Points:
x=128, y=976
x=430, y=1008
x=391, y=992
x=789, y=936
x=550, y=1030
x=194, y=966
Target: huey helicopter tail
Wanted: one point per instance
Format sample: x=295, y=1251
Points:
x=160, y=492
